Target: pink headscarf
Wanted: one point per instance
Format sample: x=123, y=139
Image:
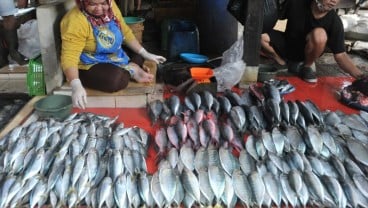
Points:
x=97, y=21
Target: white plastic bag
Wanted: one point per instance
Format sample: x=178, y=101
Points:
x=232, y=67
x=228, y=75
x=28, y=39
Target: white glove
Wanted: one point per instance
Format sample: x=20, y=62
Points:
x=152, y=57
x=79, y=95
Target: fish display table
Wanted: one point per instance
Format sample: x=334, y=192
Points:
x=127, y=157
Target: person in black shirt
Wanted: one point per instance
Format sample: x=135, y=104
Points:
x=312, y=25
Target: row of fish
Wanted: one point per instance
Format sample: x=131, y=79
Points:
x=215, y=176
x=254, y=109
x=86, y=159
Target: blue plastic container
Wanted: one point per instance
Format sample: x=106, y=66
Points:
x=183, y=37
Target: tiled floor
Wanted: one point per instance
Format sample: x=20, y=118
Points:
x=13, y=79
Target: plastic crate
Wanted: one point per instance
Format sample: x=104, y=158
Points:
x=36, y=77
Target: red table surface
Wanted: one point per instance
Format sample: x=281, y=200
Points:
x=323, y=94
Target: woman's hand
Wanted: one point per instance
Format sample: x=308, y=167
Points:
x=149, y=56
x=79, y=95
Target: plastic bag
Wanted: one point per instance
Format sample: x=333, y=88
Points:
x=232, y=67
x=234, y=53
x=28, y=39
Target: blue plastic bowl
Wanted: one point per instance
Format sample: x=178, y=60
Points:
x=194, y=58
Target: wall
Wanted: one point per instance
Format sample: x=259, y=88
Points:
x=218, y=30
x=49, y=17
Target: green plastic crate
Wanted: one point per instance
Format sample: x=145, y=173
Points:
x=36, y=77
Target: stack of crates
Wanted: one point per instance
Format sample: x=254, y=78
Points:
x=35, y=77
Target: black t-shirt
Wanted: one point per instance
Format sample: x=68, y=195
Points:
x=301, y=22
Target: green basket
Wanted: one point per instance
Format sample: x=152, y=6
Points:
x=36, y=77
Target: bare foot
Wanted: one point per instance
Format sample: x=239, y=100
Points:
x=140, y=75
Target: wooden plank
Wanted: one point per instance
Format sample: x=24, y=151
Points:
x=21, y=116
x=252, y=41
x=252, y=32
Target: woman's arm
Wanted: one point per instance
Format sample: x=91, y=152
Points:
x=346, y=64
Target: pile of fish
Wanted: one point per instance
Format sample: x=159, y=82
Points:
x=251, y=148
x=258, y=150
x=86, y=159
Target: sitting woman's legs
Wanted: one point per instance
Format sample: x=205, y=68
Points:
x=105, y=77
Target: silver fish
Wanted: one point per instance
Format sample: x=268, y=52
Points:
x=187, y=157
x=258, y=188
x=104, y=191
x=92, y=163
x=144, y=188
x=267, y=141
x=217, y=181
x=179, y=193
x=38, y=194
x=204, y=185
x=315, y=187
x=359, y=151
x=227, y=160
x=201, y=159
x=35, y=166
x=156, y=190
x=361, y=183
x=77, y=169
x=272, y=186
x=190, y=184
x=116, y=165
x=279, y=140
x=288, y=191
x=242, y=187
x=167, y=179
x=196, y=100
x=334, y=188
x=132, y=191
x=229, y=193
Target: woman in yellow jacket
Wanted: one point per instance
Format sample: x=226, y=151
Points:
x=92, y=35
